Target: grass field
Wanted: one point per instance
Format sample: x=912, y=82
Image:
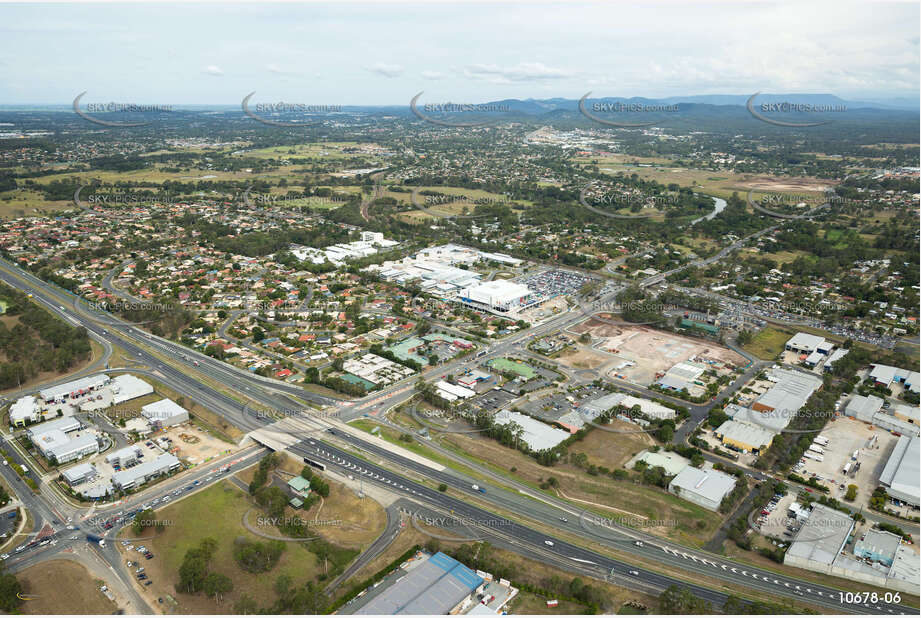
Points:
x=216, y=512
x=506, y=364
x=62, y=587
x=767, y=343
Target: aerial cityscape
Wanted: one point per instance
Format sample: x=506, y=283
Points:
x=485, y=308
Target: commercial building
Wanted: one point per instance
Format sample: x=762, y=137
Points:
x=537, y=435
x=67, y=449
x=885, y=375
x=164, y=413
x=65, y=424
x=774, y=421
x=669, y=461
x=878, y=546
x=901, y=476
x=133, y=478
x=75, y=388
x=820, y=539
x=869, y=409
x=880, y=559
x=833, y=358
x=706, y=488
x=125, y=457
x=743, y=436
x=127, y=387
x=25, y=410
x=499, y=296
x=433, y=585
x=81, y=473
x=455, y=391
x=804, y=343
x=596, y=407
x=790, y=392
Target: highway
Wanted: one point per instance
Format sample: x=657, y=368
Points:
x=272, y=394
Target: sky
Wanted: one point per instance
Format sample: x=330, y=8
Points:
x=349, y=53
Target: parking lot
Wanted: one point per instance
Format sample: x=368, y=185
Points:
x=493, y=400
x=555, y=282
x=845, y=436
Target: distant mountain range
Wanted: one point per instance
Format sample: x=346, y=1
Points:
x=536, y=107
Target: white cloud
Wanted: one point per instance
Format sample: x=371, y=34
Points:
x=387, y=70
x=213, y=70
x=521, y=72
x=432, y=75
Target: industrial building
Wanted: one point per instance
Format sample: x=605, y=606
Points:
x=370, y=243
x=453, y=392
x=706, y=488
x=125, y=457
x=885, y=375
x=164, y=413
x=834, y=357
x=429, y=585
x=58, y=447
x=537, y=435
x=744, y=436
x=81, y=473
x=879, y=559
x=669, y=461
x=499, y=296
x=820, y=539
x=65, y=424
x=790, y=392
x=901, y=476
x=141, y=473
x=75, y=388
x=869, y=409
x=596, y=407
x=25, y=410
x=804, y=343
x=680, y=375
x=127, y=387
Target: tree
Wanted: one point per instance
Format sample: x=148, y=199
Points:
x=217, y=585
x=143, y=520
x=442, y=487
x=9, y=592
x=680, y=600
x=851, y=493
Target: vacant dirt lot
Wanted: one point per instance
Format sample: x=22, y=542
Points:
x=582, y=358
x=651, y=350
x=62, y=587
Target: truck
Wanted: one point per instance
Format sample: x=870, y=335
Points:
x=814, y=456
x=92, y=538
x=847, y=468
x=821, y=440
x=816, y=449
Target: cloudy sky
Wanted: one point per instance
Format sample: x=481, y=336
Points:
x=384, y=53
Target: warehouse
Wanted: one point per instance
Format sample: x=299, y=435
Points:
x=804, y=343
x=438, y=585
x=901, y=476
x=66, y=450
x=774, y=421
x=75, y=388
x=706, y=488
x=496, y=296
x=680, y=375
x=459, y=392
x=140, y=474
x=744, y=437
x=869, y=410
x=885, y=375
x=592, y=409
x=878, y=546
x=820, y=540
x=81, y=473
x=833, y=358
x=127, y=387
x=164, y=413
x=537, y=435
x=791, y=391
x=125, y=457
x=25, y=410
x=65, y=424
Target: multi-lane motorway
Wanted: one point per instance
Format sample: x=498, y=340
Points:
x=275, y=395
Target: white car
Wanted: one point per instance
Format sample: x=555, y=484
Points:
x=4, y=556
x=550, y=543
